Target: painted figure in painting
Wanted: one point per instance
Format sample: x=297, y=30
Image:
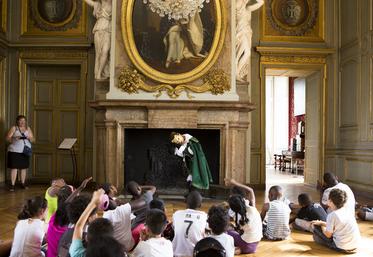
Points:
x=184, y=39
x=102, y=35
x=243, y=37
x=173, y=46
x=189, y=148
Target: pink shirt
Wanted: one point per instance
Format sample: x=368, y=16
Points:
x=53, y=237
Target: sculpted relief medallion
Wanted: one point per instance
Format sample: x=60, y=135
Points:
x=55, y=11
x=55, y=15
x=292, y=12
x=292, y=17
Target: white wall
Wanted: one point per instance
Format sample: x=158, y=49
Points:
x=277, y=116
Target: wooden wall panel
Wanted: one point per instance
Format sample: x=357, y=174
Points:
x=359, y=171
x=68, y=124
x=349, y=21
x=43, y=92
x=69, y=93
x=43, y=127
x=42, y=168
x=348, y=94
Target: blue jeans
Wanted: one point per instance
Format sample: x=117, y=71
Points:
x=320, y=238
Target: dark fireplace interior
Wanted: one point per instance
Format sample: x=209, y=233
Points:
x=150, y=159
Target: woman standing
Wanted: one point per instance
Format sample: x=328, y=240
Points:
x=19, y=136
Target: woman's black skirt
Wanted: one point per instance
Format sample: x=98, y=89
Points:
x=18, y=161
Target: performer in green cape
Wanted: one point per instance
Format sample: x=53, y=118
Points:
x=189, y=148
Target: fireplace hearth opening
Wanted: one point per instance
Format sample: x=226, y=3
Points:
x=149, y=157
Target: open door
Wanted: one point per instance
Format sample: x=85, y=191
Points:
x=313, y=132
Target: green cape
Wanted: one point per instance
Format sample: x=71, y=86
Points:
x=197, y=165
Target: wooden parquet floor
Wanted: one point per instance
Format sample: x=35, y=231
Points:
x=300, y=244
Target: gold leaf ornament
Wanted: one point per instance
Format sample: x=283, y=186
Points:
x=217, y=81
x=131, y=81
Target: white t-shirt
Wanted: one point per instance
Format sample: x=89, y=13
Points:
x=121, y=220
x=227, y=242
x=28, y=236
x=154, y=247
x=189, y=226
x=342, y=224
x=253, y=230
x=350, y=203
x=278, y=220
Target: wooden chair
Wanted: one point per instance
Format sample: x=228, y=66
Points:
x=286, y=159
x=278, y=161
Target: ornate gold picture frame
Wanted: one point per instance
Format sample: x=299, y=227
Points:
x=144, y=42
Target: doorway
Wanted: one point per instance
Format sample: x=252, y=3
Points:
x=55, y=104
x=293, y=126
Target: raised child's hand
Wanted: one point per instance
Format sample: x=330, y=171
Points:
x=85, y=182
x=96, y=197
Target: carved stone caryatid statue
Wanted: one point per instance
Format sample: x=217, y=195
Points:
x=243, y=38
x=102, y=34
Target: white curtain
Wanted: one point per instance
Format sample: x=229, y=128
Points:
x=277, y=116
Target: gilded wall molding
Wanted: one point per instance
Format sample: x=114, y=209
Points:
x=293, y=59
x=50, y=53
x=215, y=81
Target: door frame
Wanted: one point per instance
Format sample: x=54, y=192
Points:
x=28, y=58
x=292, y=59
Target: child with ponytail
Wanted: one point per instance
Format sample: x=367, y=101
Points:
x=248, y=225
x=30, y=229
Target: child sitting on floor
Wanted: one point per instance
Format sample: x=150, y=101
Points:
x=248, y=226
x=59, y=221
x=365, y=213
x=310, y=211
x=168, y=232
x=144, y=194
x=218, y=220
x=30, y=229
x=74, y=211
x=51, y=196
x=189, y=226
x=340, y=232
x=276, y=215
x=240, y=189
x=152, y=244
x=98, y=230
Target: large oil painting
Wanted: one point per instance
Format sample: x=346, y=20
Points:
x=173, y=51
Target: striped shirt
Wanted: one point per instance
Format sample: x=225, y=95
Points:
x=278, y=220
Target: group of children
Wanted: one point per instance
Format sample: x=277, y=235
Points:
x=77, y=226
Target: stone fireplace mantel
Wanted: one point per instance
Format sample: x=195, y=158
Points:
x=112, y=117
